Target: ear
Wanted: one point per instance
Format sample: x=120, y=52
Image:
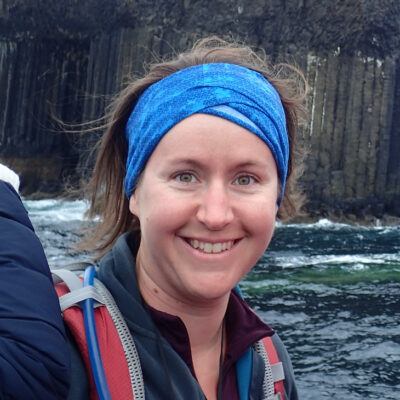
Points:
x=134, y=205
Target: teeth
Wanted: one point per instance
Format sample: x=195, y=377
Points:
x=211, y=247
x=217, y=248
x=208, y=248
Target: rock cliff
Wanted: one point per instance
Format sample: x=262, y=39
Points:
x=65, y=59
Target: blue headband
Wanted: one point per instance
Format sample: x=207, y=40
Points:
x=235, y=93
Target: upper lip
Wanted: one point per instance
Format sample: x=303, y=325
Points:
x=208, y=240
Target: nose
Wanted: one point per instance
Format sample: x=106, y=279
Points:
x=215, y=209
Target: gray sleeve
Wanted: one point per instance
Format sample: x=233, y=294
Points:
x=290, y=384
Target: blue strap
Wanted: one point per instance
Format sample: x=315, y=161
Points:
x=237, y=289
x=92, y=340
x=244, y=369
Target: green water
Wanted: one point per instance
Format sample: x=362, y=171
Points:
x=332, y=292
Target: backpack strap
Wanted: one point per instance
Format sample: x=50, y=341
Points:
x=127, y=342
x=273, y=371
x=75, y=291
x=118, y=351
x=274, y=375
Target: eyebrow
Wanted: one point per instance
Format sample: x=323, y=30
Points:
x=186, y=161
x=195, y=163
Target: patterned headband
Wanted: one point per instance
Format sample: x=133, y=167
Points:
x=230, y=91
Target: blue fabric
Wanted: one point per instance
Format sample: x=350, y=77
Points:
x=244, y=367
x=204, y=89
x=34, y=355
x=244, y=371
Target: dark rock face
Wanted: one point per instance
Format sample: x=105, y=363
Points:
x=39, y=80
x=65, y=58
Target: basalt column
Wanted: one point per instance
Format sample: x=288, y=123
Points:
x=351, y=134
x=41, y=83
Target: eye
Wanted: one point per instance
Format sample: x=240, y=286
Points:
x=244, y=180
x=185, y=177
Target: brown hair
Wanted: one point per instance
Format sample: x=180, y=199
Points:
x=106, y=187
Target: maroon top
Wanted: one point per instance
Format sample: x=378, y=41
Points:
x=243, y=329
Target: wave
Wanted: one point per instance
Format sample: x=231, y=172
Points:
x=327, y=224
x=56, y=210
x=353, y=261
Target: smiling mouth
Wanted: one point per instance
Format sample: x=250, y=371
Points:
x=214, y=248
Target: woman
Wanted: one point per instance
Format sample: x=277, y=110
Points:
x=195, y=165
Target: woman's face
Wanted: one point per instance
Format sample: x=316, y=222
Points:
x=207, y=203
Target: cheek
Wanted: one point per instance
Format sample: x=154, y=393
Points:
x=261, y=220
x=146, y=203
x=159, y=213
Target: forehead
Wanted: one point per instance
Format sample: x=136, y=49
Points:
x=211, y=138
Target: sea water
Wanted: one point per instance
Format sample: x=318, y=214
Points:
x=331, y=291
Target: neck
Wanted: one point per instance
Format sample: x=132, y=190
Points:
x=203, y=320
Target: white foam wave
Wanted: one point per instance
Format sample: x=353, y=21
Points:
x=322, y=223
x=56, y=210
x=346, y=260
x=326, y=224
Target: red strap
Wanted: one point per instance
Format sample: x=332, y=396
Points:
x=273, y=359
x=111, y=350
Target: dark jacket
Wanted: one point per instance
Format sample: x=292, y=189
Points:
x=161, y=365
x=34, y=357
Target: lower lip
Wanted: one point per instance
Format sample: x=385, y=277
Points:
x=213, y=256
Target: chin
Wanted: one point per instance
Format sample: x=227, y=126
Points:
x=212, y=292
